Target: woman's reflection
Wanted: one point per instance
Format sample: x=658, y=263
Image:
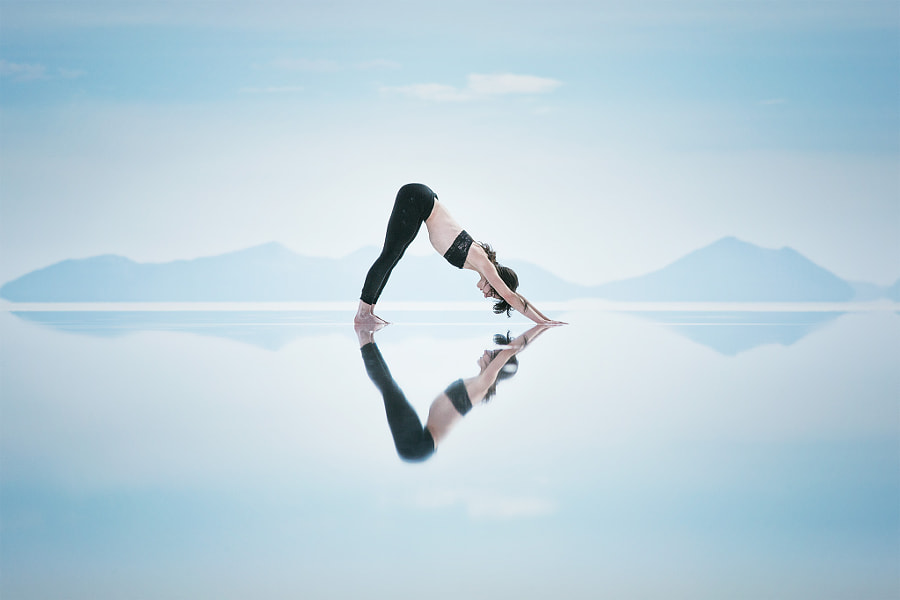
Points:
x=417, y=443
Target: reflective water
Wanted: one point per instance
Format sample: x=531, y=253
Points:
x=714, y=454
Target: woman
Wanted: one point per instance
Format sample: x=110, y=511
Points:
x=417, y=204
x=413, y=441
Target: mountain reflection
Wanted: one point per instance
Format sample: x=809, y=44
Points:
x=727, y=332
x=416, y=443
x=731, y=332
x=266, y=329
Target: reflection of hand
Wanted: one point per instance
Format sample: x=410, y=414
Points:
x=537, y=330
x=519, y=342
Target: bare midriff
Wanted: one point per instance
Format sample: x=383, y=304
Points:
x=442, y=228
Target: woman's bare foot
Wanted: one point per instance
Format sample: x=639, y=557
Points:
x=365, y=316
x=370, y=319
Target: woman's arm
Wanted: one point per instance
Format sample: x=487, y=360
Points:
x=522, y=340
x=539, y=313
x=514, y=347
x=487, y=270
x=532, y=312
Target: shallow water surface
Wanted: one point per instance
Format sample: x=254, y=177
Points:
x=632, y=454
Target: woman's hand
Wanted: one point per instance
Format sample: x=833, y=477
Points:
x=541, y=320
x=552, y=323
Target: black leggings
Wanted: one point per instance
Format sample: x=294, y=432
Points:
x=413, y=442
x=413, y=205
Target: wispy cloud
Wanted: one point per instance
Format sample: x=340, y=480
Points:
x=507, y=83
x=70, y=73
x=487, y=505
x=22, y=71
x=315, y=65
x=327, y=65
x=377, y=63
x=35, y=72
x=478, y=87
x=272, y=89
x=435, y=92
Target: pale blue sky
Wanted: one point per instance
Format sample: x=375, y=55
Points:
x=596, y=139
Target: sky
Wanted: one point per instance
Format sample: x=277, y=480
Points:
x=599, y=140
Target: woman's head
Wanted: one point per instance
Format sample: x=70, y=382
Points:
x=511, y=280
x=508, y=276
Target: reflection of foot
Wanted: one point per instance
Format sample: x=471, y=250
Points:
x=366, y=333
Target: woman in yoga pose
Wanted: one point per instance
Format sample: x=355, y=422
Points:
x=417, y=204
x=414, y=442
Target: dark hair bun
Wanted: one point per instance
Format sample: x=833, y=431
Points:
x=502, y=340
x=508, y=276
x=511, y=280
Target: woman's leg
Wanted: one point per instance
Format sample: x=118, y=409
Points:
x=412, y=206
x=413, y=442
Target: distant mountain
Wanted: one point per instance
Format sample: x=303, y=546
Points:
x=731, y=270
x=863, y=292
x=893, y=292
x=728, y=270
x=269, y=272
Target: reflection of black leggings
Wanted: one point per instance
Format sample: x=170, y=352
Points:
x=413, y=205
x=413, y=441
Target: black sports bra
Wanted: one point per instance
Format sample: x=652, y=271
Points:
x=458, y=251
x=458, y=395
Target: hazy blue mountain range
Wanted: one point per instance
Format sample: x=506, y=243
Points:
x=728, y=270
x=893, y=292
x=732, y=270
